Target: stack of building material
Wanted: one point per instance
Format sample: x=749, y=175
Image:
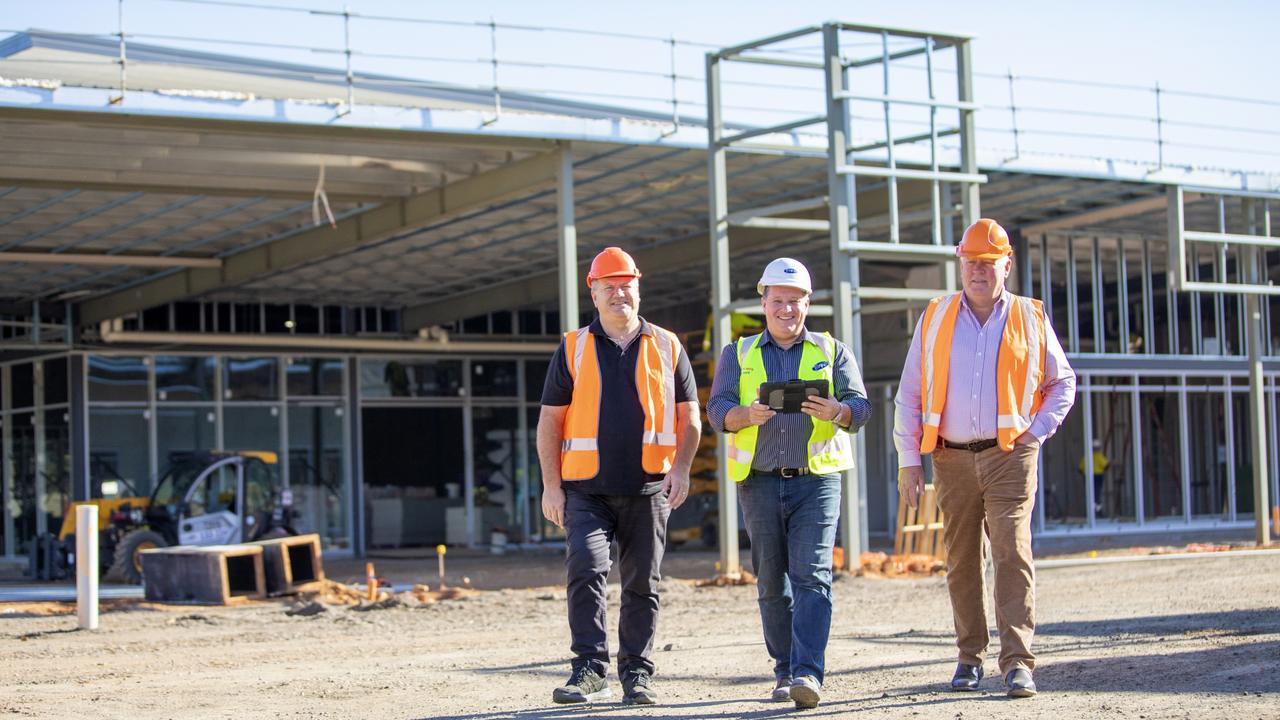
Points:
x=292, y=564
x=209, y=575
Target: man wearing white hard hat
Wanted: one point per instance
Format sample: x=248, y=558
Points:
x=787, y=468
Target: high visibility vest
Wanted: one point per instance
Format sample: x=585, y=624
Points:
x=655, y=385
x=829, y=449
x=1019, y=366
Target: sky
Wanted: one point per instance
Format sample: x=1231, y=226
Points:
x=1222, y=48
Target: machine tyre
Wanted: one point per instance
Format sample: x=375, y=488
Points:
x=127, y=565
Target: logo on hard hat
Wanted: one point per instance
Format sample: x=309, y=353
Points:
x=789, y=271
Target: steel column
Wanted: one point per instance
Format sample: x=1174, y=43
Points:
x=1257, y=396
x=721, y=330
x=968, y=132
x=846, y=306
x=568, y=241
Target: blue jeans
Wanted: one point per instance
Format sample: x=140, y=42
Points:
x=792, y=526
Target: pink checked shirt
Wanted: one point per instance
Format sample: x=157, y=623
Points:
x=970, y=412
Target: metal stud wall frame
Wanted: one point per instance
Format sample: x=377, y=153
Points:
x=879, y=165
x=1241, y=240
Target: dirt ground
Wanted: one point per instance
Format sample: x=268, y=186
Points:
x=1197, y=638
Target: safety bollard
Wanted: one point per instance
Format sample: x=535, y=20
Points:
x=87, y=566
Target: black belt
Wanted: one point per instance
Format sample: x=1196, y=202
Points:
x=973, y=446
x=784, y=472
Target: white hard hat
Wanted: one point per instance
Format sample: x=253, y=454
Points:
x=786, y=273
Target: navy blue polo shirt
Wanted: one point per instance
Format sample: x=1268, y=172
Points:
x=621, y=417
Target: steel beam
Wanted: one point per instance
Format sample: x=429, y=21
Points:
x=380, y=222
x=155, y=261
x=538, y=288
x=1098, y=215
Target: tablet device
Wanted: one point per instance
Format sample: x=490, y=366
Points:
x=787, y=396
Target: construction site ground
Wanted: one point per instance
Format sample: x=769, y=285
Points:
x=1160, y=638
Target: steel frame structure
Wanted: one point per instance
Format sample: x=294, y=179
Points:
x=1251, y=248
x=844, y=166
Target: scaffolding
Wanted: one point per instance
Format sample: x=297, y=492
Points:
x=885, y=165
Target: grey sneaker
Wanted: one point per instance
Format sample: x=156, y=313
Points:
x=782, y=690
x=636, y=688
x=584, y=686
x=806, y=692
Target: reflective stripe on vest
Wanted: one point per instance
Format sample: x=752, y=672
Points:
x=829, y=448
x=655, y=387
x=1019, y=367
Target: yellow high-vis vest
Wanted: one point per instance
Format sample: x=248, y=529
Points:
x=655, y=385
x=1019, y=366
x=829, y=447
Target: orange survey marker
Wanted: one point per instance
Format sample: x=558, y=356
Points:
x=440, y=551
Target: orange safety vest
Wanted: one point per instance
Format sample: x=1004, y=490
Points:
x=1019, y=366
x=656, y=386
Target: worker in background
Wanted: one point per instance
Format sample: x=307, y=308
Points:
x=1100, y=465
x=984, y=384
x=787, y=466
x=617, y=432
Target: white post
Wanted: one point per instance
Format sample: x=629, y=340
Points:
x=87, y=566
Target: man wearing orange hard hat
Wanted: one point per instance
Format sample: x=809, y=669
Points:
x=984, y=384
x=617, y=432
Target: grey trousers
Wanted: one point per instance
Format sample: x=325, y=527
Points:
x=639, y=525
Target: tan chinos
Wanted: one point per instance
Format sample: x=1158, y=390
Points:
x=990, y=492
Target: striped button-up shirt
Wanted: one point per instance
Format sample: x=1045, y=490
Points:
x=971, y=410
x=783, y=440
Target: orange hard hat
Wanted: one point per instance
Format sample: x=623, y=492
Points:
x=984, y=240
x=612, y=262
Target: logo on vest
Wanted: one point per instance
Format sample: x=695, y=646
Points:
x=821, y=365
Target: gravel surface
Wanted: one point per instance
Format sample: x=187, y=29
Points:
x=1195, y=638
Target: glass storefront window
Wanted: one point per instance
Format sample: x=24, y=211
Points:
x=399, y=378
x=251, y=428
x=185, y=378
x=119, y=463
x=23, y=382
x=312, y=377
x=317, y=477
x=409, y=501
x=182, y=432
x=252, y=379
x=535, y=377
x=498, y=495
x=493, y=378
x=55, y=381
x=57, y=467
x=117, y=379
x=21, y=503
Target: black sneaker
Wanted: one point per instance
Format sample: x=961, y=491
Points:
x=584, y=686
x=636, y=689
